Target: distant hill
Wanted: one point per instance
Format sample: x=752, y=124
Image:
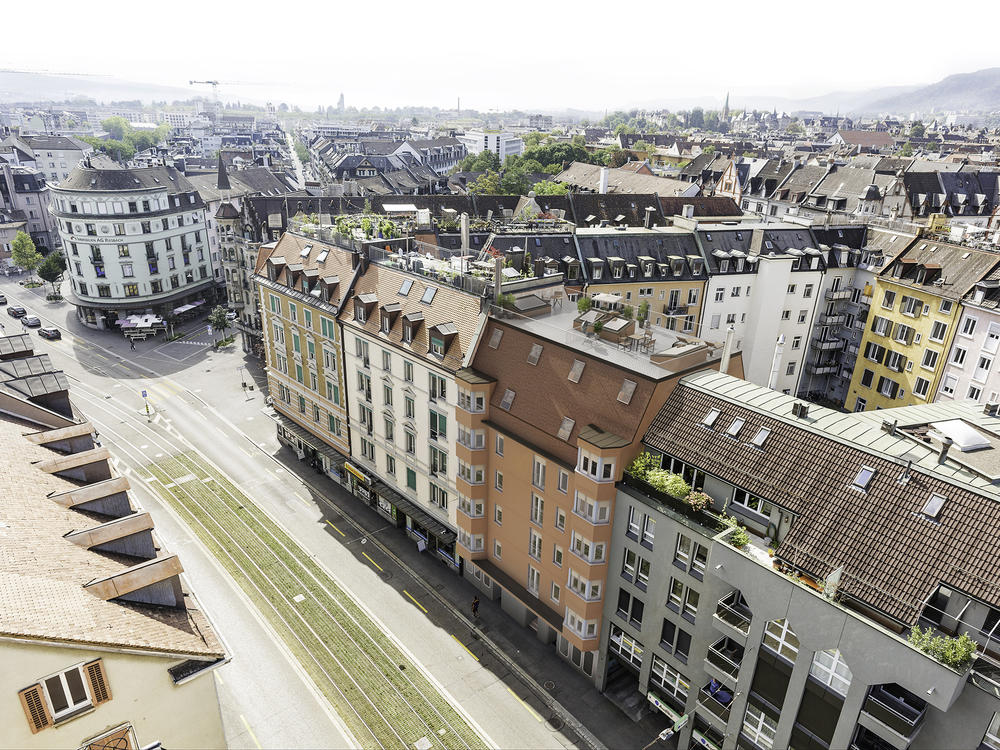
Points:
x=970, y=92
x=33, y=87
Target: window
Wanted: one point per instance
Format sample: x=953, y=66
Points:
x=781, y=639
x=683, y=645
x=807, y=291
x=438, y=461
x=933, y=506
x=797, y=342
x=720, y=294
x=803, y=314
x=566, y=428
x=508, y=399
x=759, y=727
x=534, y=544
x=889, y=300
x=675, y=597
x=735, y=426
x=554, y=594
x=969, y=326
x=790, y=368
x=560, y=519
x=557, y=555
x=625, y=646
x=408, y=407
x=791, y=289
x=920, y=387
x=438, y=496
x=691, y=603
x=682, y=553
x=495, y=338
x=438, y=386
x=627, y=389
x=469, y=401
x=630, y=608
x=590, y=551
x=710, y=418
x=499, y=445
x=439, y=426
x=428, y=295
x=537, y=513
x=410, y=441
x=975, y=392
x=576, y=371
x=498, y=481
x=930, y=359
x=830, y=669
x=563, y=482
x=497, y=550
x=648, y=530
x=411, y=475
x=534, y=354
x=948, y=385
x=946, y=306
x=938, y=331
x=585, y=507
x=408, y=371
x=538, y=473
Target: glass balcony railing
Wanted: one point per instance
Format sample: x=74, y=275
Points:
x=726, y=655
x=733, y=611
x=896, y=708
x=717, y=700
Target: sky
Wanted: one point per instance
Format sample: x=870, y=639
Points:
x=544, y=56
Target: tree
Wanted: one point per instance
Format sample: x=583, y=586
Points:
x=116, y=127
x=302, y=152
x=644, y=146
x=487, y=184
x=906, y=150
x=51, y=269
x=24, y=254
x=795, y=128
x=917, y=130
x=217, y=319
x=697, y=118
x=548, y=187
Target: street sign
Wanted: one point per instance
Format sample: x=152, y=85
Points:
x=144, y=394
x=210, y=330
x=679, y=724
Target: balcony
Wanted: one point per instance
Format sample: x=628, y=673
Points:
x=703, y=740
x=826, y=344
x=823, y=368
x=835, y=319
x=833, y=295
x=716, y=701
x=97, y=260
x=892, y=712
x=853, y=350
x=723, y=659
x=732, y=616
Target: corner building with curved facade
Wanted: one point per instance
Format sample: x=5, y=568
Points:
x=135, y=241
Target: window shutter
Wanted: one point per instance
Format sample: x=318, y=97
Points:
x=35, y=708
x=99, y=689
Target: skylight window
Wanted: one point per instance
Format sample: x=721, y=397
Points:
x=933, y=506
x=735, y=427
x=576, y=371
x=628, y=388
x=508, y=399
x=305, y=251
x=429, y=293
x=760, y=437
x=768, y=244
x=322, y=256
x=566, y=428
x=863, y=478
x=710, y=418
x=534, y=354
x=404, y=288
x=495, y=338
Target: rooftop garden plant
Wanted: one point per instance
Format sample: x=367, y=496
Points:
x=739, y=537
x=955, y=652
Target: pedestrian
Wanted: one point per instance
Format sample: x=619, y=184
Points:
x=475, y=607
x=131, y=343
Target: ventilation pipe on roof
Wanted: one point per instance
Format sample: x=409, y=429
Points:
x=602, y=187
x=779, y=349
x=648, y=219
x=945, y=445
x=465, y=233
x=687, y=211
x=727, y=350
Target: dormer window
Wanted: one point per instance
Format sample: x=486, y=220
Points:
x=441, y=337
x=411, y=321
x=388, y=317
x=360, y=313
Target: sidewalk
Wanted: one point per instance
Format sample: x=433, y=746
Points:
x=565, y=698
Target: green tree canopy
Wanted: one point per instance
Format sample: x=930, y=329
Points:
x=24, y=254
x=481, y=162
x=302, y=152
x=217, y=319
x=548, y=187
x=644, y=146
x=116, y=127
x=51, y=269
x=487, y=184
x=917, y=130
x=696, y=119
x=906, y=150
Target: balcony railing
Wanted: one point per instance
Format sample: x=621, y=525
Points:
x=822, y=368
x=718, y=705
x=836, y=319
x=726, y=655
x=826, y=344
x=732, y=611
x=897, y=709
x=833, y=295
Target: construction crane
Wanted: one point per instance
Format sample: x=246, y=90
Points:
x=213, y=84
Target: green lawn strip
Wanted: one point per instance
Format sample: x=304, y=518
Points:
x=413, y=684
x=219, y=544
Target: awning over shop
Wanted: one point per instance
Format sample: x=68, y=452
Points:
x=335, y=456
x=414, y=511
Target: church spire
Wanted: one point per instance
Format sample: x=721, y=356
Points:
x=725, y=108
x=223, y=181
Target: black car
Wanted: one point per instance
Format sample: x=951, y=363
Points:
x=48, y=332
x=16, y=312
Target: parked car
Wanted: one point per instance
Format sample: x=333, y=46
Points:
x=3, y=299
x=16, y=312
x=231, y=315
x=31, y=321
x=48, y=332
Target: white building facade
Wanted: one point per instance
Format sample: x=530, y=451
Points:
x=972, y=371
x=135, y=241
x=500, y=143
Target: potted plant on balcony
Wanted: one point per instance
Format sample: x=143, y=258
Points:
x=738, y=537
x=698, y=500
x=643, y=463
x=957, y=653
x=668, y=483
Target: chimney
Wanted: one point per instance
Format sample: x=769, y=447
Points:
x=648, y=220
x=779, y=349
x=465, y=233
x=945, y=445
x=756, y=241
x=687, y=211
x=727, y=350
x=602, y=188
x=497, y=279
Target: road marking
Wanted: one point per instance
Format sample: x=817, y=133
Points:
x=469, y=652
x=415, y=601
x=252, y=735
x=337, y=530
x=530, y=709
x=373, y=562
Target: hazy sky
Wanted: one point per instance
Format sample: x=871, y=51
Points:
x=513, y=54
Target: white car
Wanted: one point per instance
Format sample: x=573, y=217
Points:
x=231, y=316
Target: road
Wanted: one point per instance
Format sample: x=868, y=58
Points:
x=261, y=552
x=299, y=167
